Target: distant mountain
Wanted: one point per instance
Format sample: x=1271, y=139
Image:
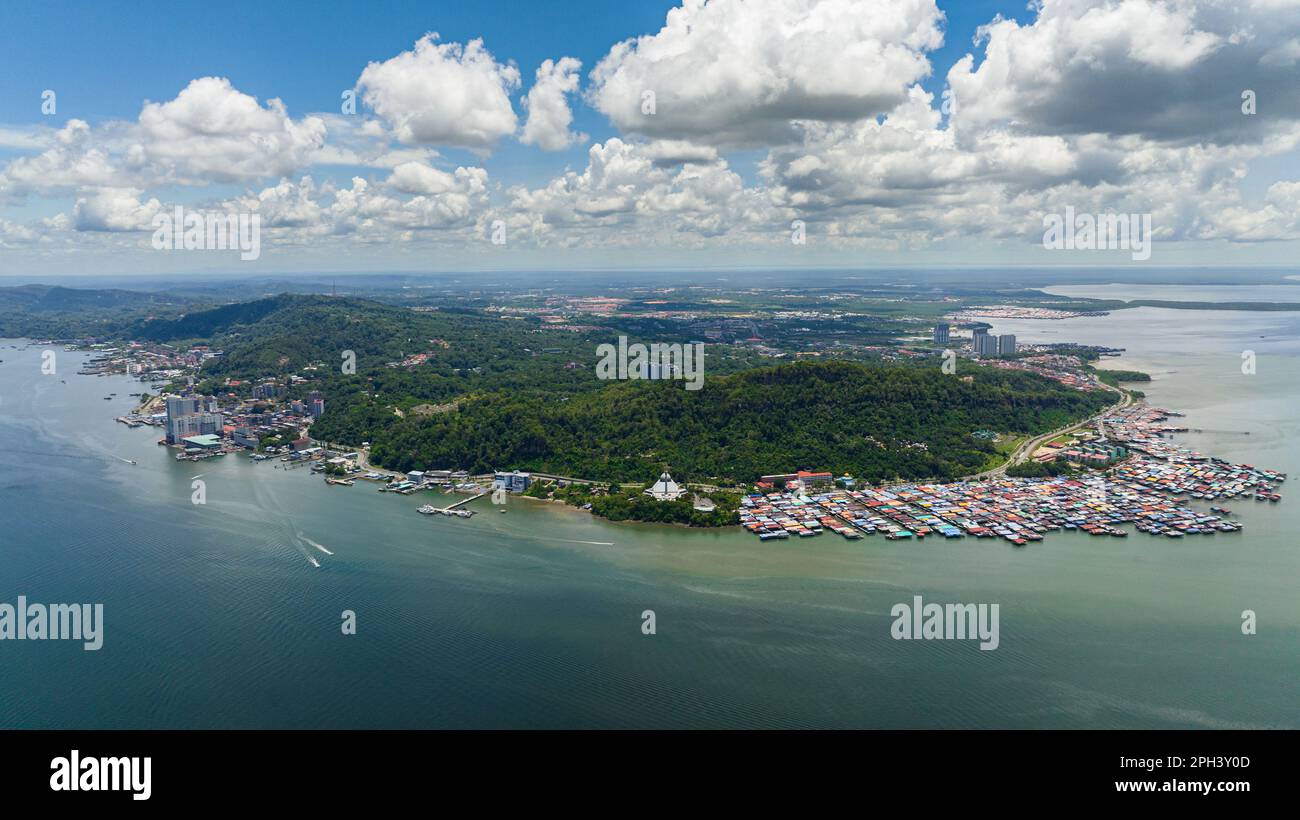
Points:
x=59, y=312
x=54, y=299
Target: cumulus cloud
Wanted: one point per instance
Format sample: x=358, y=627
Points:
x=547, y=102
x=414, y=198
x=214, y=132
x=443, y=94
x=733, y=72
x=71, y=159
x=625, y=196
x=210, y=132
x=114, y=210
x=1164, y=69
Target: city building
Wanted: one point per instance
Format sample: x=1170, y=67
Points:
x=941, y=333
x=315, y=404
x=268, y=390
x=982, y=344
x=188, y=416
x=1006, y=344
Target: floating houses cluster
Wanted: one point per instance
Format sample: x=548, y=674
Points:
x=1150, y=487
x=1017, y=510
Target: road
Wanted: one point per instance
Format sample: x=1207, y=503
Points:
x=1028, y=448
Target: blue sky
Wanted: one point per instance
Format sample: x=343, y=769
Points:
x=105, y=60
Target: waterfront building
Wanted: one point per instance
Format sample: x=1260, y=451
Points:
x=203, y=442
x=941, y=333
x=665, y=489
x=190, y=416
x=815, y=481
x=513, y=481
x=245, y=437
x=1006, y=344
x=181, y=406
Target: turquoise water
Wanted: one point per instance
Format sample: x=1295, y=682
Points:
x=215, y=617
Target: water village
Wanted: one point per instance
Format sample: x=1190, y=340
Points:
x=1149, y=483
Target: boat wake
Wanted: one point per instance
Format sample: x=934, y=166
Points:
x=314, y=544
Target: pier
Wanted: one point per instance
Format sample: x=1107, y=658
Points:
x=463, y=502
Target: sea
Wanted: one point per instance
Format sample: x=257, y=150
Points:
x=230, y=613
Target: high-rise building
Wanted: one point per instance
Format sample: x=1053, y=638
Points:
x=315, y=404
x=181, y=406
x=179, y=410
x=268, y=390
x=982, y=344
x=941, y=333
x=189, y=416
x=1006, y=344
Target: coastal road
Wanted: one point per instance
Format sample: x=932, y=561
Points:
x=1028, y=448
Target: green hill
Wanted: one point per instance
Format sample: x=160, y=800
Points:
x=875, y=421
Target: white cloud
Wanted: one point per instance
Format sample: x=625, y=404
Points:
x=114, y=210
x=549, y=116
x=733, y=72
x=1166, y=69
x=625, y=196
x=214, y=132
x=443, y=94
x=210, y=132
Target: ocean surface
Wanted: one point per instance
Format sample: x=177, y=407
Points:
x=217, y=615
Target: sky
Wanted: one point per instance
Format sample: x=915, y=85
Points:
x=392, y=136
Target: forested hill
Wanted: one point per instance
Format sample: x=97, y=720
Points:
x=875, y=421
x=53, y=311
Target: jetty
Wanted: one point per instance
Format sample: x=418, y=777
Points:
x=463, y=501
x=452, y=509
